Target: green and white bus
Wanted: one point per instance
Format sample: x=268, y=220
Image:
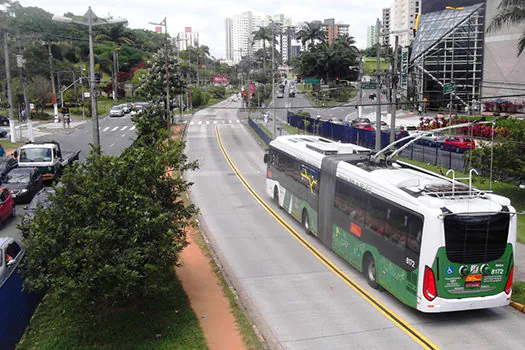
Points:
x=434, y=243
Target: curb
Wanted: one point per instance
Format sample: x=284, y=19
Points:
x=518, y=306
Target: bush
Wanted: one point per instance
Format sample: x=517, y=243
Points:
x=199, y=98
x=41, y=116
x=217, y=91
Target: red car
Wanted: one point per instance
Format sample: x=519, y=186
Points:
x=363, y=126
x=458, y=144
x=7, y=205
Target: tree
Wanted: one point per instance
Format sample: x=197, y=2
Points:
x=510, y=12
x=311, y=32
x=263, y=34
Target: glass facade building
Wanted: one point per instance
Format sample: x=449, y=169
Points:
x=448, y=52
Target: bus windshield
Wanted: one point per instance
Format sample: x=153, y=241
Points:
x=35, y=155
x=476, y=239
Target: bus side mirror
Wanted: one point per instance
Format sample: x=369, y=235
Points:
x=266, y=158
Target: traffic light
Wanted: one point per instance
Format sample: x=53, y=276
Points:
x=337, y=80
x=97, y=78
x=298, y=78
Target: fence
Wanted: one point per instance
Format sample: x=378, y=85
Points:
x=367, y=138
x=259, y=131
x=16, y=308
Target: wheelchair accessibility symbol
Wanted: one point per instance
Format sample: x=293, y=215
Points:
x=450, y=270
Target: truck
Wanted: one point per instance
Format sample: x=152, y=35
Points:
x=47, y=157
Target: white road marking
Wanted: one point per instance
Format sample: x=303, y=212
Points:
x=105, y=129
x=133, y=127
x=207, y=122
x=113, y=144
x=115, y=128
x=123, y=135
x=200, y=122
x=238, y=121
x=124, y=128
x=191, y=123
x=215, y=122
x=230, y=121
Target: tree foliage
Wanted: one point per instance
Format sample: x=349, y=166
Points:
x=510, y=12
x=310, y=33
x=115, y=224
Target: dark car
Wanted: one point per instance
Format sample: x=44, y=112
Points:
x=360, y=121
x=6, y=164
x=40, y=199
x=24, y=183
x=4, y=120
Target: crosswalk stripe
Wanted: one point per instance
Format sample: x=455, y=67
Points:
x=115, y=128
x=215, y=122
x=207, y=122
x=133, y=127
x=191, y=123
x=200, y=122
x=105, y=129
x=238, y=121
x=124, y=128
x=230, y=121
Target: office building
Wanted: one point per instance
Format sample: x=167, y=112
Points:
x=228, y=23
x=371, y=36
x=243, y=26
x=187, y=38
x=334, y=30
x=403, y=16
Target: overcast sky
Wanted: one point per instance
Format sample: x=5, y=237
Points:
x=207, y=16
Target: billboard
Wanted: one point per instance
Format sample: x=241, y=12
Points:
x=220, y=79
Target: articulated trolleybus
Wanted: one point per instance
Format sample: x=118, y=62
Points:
x=433, y=242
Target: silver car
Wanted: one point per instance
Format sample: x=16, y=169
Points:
x=434, y=139
x=116, y=111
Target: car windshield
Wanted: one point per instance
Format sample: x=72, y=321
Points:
x=35, y=154
x=18, y=178
x=116, y=108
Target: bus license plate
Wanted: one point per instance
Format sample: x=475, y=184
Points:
x=469, y=285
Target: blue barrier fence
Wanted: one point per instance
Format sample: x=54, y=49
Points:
x=16, y=308
x=338, y=132
x=259, y=131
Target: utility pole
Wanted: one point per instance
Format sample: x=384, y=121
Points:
x=378, y=90
x=395, y=78
x=8, y=87
x=20, y=61
x=53, y=89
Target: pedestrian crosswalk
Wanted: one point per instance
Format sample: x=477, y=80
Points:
x=213, y=122
x=119, y=128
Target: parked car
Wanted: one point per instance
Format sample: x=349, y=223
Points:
x=40, y=199
x=24, y=183
x=126, y=107
x=116, y=111
x=4, y=132
x=384, y=126
x=6, y=164
x=458, y=143
x=4, y=120
x=7, y=205
x=338, y=121
x=11, y=254
x=360, y=121
x=433, y=140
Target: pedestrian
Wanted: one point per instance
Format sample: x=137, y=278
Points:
x=419, y=110
x=2, y=151
x=68, y=119
x=266, y=118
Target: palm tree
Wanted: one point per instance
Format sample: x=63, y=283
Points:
x=198, y=52
x=510, y=12
x=312, y=31
x=264, y=34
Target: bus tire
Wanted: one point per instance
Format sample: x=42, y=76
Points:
x=276, y=195
x=369, y=271
x=306, y=222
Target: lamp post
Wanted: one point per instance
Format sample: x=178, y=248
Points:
x=5, y=10
x=164, y=24
x=90, y=19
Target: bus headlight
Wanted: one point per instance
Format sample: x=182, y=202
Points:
x=463, y=270
x=485, y=269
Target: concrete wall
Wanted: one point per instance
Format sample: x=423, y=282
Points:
x=504, y=72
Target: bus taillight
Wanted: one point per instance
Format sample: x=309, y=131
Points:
x=429, y=284
x=508, y=286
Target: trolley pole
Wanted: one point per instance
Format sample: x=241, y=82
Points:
x=378, y=90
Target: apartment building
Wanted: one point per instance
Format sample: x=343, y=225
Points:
x=371, y=36
x=403, y=15
x=242, y=26
x=385, y=27
x=228, y=23
x=187, y=38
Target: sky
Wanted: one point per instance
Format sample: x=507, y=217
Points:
x=207, y=16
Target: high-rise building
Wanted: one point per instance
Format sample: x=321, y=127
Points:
x=385, y=27
x=371, y=36
x=403, y=18
x=243, y=27
x=334, y=30
x=228, y=23
x=187, y=38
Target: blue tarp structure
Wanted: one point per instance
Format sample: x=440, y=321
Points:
x=338, y=132
x=16, y=308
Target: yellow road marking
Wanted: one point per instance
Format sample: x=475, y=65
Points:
x=389, y=314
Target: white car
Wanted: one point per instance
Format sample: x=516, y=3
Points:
x=11, y=253
x=116, y=111
x=434, y=139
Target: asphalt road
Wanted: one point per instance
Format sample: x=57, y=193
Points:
x=115, y=135
x=297, y=302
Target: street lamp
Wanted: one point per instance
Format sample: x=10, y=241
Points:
x=90, y=19
x=163, y=23
x=4, y=9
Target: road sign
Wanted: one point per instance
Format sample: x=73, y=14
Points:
x=86, y=94
x=313, y=81
x=325, y=86
x=448, y=88
x=368, y=85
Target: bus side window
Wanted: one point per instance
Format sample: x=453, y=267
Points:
x=415, y=229
x=398, y=223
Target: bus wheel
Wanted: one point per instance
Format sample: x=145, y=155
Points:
x=369, y=270
x=306, y=222
x=276, y=195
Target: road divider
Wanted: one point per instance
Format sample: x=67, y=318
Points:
x=389, y=314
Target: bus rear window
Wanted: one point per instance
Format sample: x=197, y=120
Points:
x=476, y=239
